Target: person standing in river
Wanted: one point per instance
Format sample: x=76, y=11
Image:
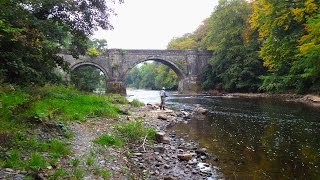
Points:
x=163, y=96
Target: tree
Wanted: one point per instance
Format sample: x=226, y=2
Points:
x=88, y=78
x=235, y=63
x=32, y=32
x=281, y=26
x=187, y=41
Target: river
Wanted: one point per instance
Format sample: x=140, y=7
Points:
x=254, y=138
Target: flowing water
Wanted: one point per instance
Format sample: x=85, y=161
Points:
x=254, y=138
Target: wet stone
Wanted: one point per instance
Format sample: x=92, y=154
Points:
x=167, y=166
x=159, y=148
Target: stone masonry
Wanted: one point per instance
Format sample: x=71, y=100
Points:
x=115, y=64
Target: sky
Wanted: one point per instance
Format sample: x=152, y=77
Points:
x=151, y=24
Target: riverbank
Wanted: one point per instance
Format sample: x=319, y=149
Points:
x=308, y=99
x=171, y=157
x=165, y=157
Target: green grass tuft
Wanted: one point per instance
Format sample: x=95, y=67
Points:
x=117, y=99
x=109, y=140
x=136, y=103
x=37, y=162
x=58, y=148
x=134, y=131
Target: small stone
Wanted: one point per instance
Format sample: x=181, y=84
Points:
x=159, y=148
x=203, y=157
x=162, y=117
x=200, y=110
x=49, y=167
x=39, y=176
x=9, y=170
x=167, y=166
x=159, y=158
x=193, y=161
x=168, y=178
x=184, y=157
x=194, y=171
x=165, y=140
x=137, y=154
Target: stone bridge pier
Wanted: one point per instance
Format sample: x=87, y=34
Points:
x=115, y=64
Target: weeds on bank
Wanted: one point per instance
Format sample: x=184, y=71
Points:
x=109, y=140
x=136, y=103
x=134, y=131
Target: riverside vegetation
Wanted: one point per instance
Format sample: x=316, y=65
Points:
x=36, y=133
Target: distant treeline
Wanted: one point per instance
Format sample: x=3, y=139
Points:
x=260, y=45
x=152, y=76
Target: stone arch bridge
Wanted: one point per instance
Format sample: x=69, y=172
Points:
x=115, y=63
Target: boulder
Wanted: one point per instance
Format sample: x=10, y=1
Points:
x=200, y=110
x=163, y=117
x=162, y=138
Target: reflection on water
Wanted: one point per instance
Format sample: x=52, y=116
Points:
x=258, y=138
x=255, y=138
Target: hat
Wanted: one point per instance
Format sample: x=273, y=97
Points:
x=163, y=88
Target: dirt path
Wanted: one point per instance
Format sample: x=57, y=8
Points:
x=98, y=162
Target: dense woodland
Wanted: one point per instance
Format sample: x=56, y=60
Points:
x=259, y=46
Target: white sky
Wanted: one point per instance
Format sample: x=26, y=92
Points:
x=151, y=24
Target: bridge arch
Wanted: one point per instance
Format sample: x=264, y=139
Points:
x=80, y=64
x=171, y=65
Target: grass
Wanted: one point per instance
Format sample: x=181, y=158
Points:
x=136, y=103
x=109, y=140
x=37, y=162
x=134, y=131
x=23, y=111
x=90, y=160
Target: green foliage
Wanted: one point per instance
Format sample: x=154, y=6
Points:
x=23, y=109
x=235, y=65
x=14, y=159
x=90, y=160
x=105, y=173
x=187, y=41
x=117, y=99
x=134, y=131
x=136, y=103
x=78, y=173
x=109, y=140
x=59, y=174
x=75, y=162
x=68, y=104
x=93, y=52
x=290, y=44
x=37, y=162
x=88, y=78
x=58, y=148
x=33, y=32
